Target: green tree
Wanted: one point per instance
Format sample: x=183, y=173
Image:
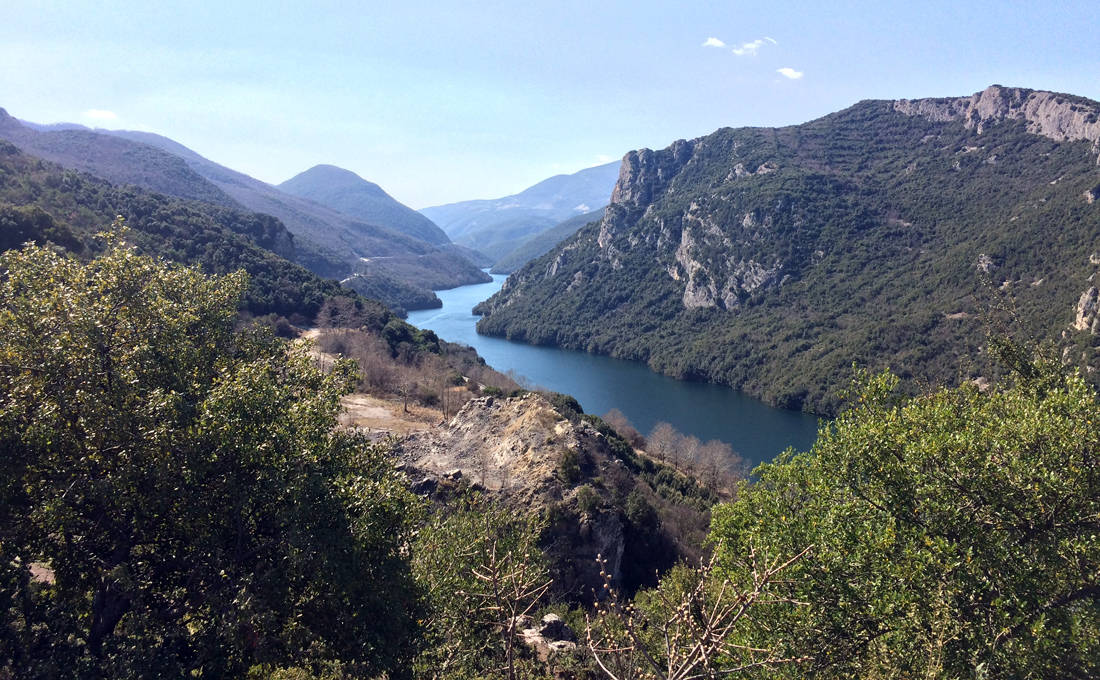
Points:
x=954, y=534
x=174, y=496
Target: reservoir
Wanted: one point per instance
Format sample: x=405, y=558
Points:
x=755, y=430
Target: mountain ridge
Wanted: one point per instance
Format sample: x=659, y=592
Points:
x=770, y=259
x=328, y=243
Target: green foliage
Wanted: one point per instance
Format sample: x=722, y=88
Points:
x=569, y=466
x=405, y=340
x=346, y=312
x=620, y=448
x=183, y=485
x=873, y=223
x=566, y=405
x=20, y=225
x=641, y=514
x=952, y=535
x=462, y=631
x=398, y=295
x=587, y=499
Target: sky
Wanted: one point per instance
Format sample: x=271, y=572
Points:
x=442, y=101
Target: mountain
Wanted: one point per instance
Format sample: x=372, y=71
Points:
x=347, y=192
x=329, y=243
x=336, y=244
x=497, y=226
x=892, y=233
x=336, y=241
x=43, y=201
x=543, y=242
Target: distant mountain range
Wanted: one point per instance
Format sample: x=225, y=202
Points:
x=376, y=237
x=543, y=242
x=498, y=226
x=889, y=234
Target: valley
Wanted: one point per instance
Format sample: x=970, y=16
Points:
x=817, y=400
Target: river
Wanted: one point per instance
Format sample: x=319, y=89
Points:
x=755, y=430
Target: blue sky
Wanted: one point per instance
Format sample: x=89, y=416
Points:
x=442, y=101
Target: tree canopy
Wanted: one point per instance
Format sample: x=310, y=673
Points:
x=950, y=535
x=174, y=496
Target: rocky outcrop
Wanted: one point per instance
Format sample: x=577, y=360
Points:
x=1088, y=312
x=646, y=173
x=514, y=448
x=548, y=638
x=1056, y=116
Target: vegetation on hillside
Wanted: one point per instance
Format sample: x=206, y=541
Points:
x=496, y=226
x=43, y=202
x=328, y=242
x=346, y=192
x=863, y=236
x=956, y=534
x=543, y=242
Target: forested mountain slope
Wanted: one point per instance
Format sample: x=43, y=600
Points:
x=119, y=160
x=42, y=201
x=329, y=243
x=772, y=259
x=543, y=241
x=332, y=241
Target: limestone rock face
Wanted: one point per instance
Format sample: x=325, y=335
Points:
x=1088, y=312
x=548, y=638
x=1048, y=114
x=646, y=173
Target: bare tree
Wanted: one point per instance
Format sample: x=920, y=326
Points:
x=689, y=636
x=663, y=442
x=621, y=424
x=512, y=585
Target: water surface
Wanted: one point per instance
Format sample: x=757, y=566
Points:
x=755, y=430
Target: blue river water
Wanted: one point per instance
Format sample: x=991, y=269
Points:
x=755, y=430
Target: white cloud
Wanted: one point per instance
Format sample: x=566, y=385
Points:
x=713, y=42
x=603, y=158
x=99, y=115
x=750, y=48
x=788, y=72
